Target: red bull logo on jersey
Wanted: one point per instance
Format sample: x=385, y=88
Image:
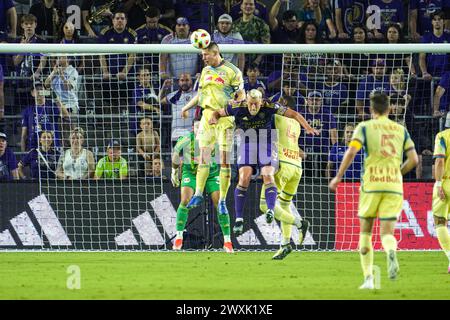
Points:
x=214, y=78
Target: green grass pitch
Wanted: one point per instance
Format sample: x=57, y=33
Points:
x=216, y=275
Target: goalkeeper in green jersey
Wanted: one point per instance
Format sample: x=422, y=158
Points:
x=188, y=145
x=112, y=166
x=287, y=179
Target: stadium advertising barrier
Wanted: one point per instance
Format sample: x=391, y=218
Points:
x=104, y=215
x=415, y=228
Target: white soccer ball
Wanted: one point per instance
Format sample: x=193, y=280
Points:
x=200, y=39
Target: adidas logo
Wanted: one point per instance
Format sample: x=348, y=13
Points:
x=272, y=233
x=26, y=231
x=41, y=227
x=166, y=213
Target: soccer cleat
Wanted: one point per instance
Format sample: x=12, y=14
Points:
x=282, y=252
x=302, y=231
x=238, y=227
x=228, y=247
x=222, y=207
x=195, y=202
x=392, y=265
x=178, y=244
x=269, y=216
x=368, y=283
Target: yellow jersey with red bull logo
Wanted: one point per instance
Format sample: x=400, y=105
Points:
x=217, y=85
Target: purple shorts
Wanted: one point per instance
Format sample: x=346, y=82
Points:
x=257, y=155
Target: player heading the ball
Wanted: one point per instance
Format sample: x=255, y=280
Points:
x=257, y=149
x=384, y=142
x=220, y=83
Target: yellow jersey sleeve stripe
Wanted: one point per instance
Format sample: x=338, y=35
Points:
x=364, y=132
x=442, y=142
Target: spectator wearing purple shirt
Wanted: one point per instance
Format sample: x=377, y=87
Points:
x=225, y=34
x=377, y=81
x=335, y=93
x=117, y=68
x=391, y=11
x=152, y=32
x=435, y=64
x=174, y=64
x=8, y=162
x=144, y=102
x=349, y=13
x=8, y=18
x=441, y=96
x=317, y=147
x=42, y=161
x=39, y=117
x=28, y=66
x=420, y=12
x=252, y=82
x=336, y=156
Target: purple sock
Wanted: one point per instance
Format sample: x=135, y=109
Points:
x=271, y=195
x=240, y=193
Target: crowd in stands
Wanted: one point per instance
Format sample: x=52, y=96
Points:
x=135, y=91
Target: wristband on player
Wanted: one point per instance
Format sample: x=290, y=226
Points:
x=438, y=183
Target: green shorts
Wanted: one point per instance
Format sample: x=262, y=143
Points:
x=188, y=179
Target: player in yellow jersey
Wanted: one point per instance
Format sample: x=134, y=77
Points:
x=287, y=179
x=441, y=190
x=384, y=142
x=221, y=83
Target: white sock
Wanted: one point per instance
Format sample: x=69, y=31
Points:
x=226, y=238
x=179, y=234
x=239, y=219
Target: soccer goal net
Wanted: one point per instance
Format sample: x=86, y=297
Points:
x=99, y=126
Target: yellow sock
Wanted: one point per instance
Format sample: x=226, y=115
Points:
x=225, y=177
x=202, y=176
x=365, y=245
x=389, y=242
x=286, y=231
x=444, y=238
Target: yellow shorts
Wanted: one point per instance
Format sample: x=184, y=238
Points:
x=387, y=205
x=287, y=179
x=221, y=133
x=440, y=208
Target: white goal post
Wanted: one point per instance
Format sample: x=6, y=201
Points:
x=138, y=212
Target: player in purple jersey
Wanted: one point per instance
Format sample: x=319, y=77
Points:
x=254, y=121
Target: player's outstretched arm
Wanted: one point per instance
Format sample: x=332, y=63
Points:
x=192, y=103
x=412, y=159
x=302, y=121
x=349, y=156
